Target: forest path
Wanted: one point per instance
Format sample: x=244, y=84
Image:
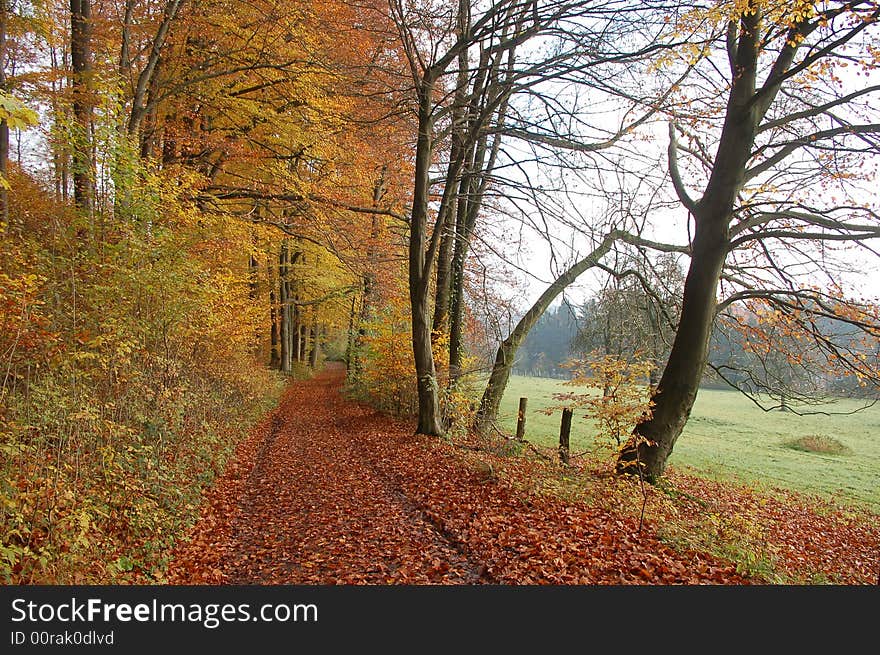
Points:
x=329, y=491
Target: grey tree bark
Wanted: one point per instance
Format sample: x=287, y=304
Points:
x=81, y=86
x=737, y=159
x=4, y=126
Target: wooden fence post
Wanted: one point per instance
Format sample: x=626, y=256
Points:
x=521, y=419
x=564, y=434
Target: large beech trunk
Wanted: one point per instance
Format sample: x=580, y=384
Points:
x=81, y=66
x=654, y=439
x=429, y=421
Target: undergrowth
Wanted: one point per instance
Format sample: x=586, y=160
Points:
x=130, y=370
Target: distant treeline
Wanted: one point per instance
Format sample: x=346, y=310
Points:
x=566, y=331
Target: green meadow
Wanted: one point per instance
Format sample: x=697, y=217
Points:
x=729, y=437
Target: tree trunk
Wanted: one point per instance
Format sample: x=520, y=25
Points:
x=4, y=171
x=139, y=105
x=355, y=368
x=368, y=281
x=456, y=347
x=440, y=322
x=506, y=354
x=468, y=210
x=284, y=308
x=678, y=386
x=81, y=86
x=349, y=344
x=253, y=294
x=653, y=439
x=4, y=126
x=420, y=263
x=315, y=351
x=274, y=355
x=429, y=421
x=783, y=403
x=253, y=277
x=300, y=336
x=474, y=183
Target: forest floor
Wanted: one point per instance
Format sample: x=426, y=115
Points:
x=329, y=491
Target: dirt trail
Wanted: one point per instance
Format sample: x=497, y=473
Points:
x=315, y=490
x=328, y=491
x=315, y=505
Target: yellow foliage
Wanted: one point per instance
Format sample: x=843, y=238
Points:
x=388, y=376
x=129, y=379
x=621, y=395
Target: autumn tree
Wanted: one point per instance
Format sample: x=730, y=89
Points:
x=82, y=85
x=776, y=135
x=200, y=141
x=621, y=252
x=624, y=398
x=276, y=126
x=139, y=62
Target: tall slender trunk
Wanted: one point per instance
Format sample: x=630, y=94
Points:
x=58, y=140
x=253, y=277
x=481, y=158
x=274, y=355
x=302, y=338
x=254, y=295
x=445, y=236
x=440, y=323
x=351, y=337
x=315, y=351
x=294, y=338
x=368, y=281
x=81, y=85
x=470, y=201
x=464, y=227
x=284, y=308
x=297, y=325
x=355, y=366
x=4, y=126
x=420, y=263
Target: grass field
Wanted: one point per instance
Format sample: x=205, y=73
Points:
x=728, y=437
